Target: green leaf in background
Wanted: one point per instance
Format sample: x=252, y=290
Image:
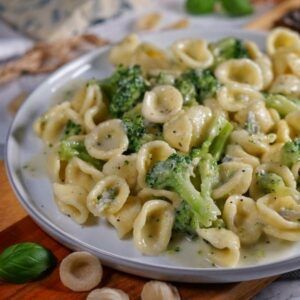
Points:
x=237, y=7
x=24, y=262
x=198, y=7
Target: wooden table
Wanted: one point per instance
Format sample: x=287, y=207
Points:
x=16, y=226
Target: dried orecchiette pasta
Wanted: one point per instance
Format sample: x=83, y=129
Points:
x=241, y=217
x=123, y=219
x=122, y=53
x=123, y=166
x=243, y=72
x=281, y=38
x=193, y=53
x=225, y=246
x=283, y=171
x=147, y=194
x=80, y=271
x=71, y=200
x=234, y=97
x=281, y=214
x=108, y=196
x=161, y=103
x=153, y=227
x=49, y=127
x=159, y=290
x=107, y=140
x=80, y=173
x=148, y=155
x=235, y=178
x=107, y=294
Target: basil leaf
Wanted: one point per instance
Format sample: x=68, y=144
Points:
x=24, y=262
x=198, y=7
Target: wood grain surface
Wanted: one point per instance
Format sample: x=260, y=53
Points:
x=16, y=227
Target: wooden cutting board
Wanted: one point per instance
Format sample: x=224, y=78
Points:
x=16, y=227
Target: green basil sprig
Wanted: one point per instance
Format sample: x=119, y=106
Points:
x=24, y=262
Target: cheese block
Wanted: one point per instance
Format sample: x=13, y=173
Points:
x=55, y=19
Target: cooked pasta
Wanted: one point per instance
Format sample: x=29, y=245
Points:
x=197, y=142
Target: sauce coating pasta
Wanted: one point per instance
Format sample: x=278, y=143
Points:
x=200, y=141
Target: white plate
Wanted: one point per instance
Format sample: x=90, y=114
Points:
x=34, y=191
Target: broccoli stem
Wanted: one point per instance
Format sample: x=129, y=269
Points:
x=218, y=145
x=205, y=210
x=282, y=104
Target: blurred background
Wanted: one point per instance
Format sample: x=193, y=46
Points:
x=38, y=36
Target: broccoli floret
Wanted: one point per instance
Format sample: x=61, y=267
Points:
x=282, y=104
x=290, y=152
x=71, y=128
x=186, y=221
x=163, y=78
x=69, y=149
x=197, y=85
x=124, y=89
x=139, y=131
x=269, y=182
x=174, y=174
x=228, y=48
x=186, y=85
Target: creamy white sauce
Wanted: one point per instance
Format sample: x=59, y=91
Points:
x=195, y=253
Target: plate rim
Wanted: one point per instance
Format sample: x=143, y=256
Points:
x=116, y=261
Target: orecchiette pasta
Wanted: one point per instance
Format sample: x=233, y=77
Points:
x=123, y=219
x=148, y=194
x=80, y=173
x=225, y=244
x=107, y=140
x=153, y=227
x=172, y=138
x=235, y=97
x=88, y=102
x=255, y=144
x=260, y=113
x=281, y=38
x=235, y=178
x=280, y=213
x=287, y=85
x=237, y=153
x=122, y=53
x=192, y=53
x=108, y=196
x=71, y=200
x=123, y=166
x=242, y=72
x=241, y=217
x=107, y=294
x=161, y=103
x=49, y=127
x=160, y=291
